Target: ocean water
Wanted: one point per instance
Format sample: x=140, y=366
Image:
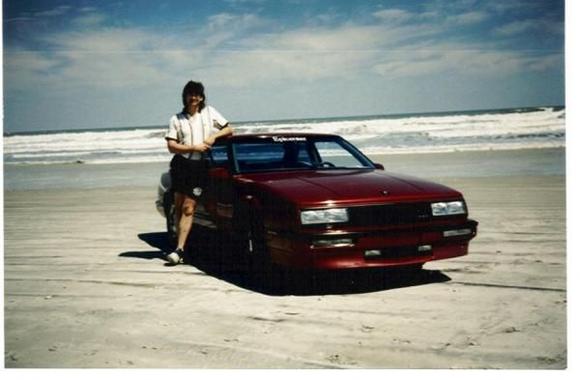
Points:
x=511, y=129
x=432, y=146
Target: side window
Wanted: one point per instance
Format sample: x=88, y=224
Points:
x=219, y=155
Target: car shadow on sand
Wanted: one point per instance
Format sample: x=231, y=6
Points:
x=216, y=257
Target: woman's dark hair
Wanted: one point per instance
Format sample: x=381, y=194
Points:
x=193, y=88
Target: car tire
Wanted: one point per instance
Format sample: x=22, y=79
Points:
x=255, y=250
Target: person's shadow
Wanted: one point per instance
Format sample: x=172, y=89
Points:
x=216, y=256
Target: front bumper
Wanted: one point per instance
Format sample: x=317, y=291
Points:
x=359, y=249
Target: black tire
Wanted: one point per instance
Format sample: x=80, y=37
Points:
x=254, y=250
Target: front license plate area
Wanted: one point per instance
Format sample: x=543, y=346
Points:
x=397, y=252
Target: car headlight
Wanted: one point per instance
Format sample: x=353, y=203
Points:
x=448, y=208
x=330, y=215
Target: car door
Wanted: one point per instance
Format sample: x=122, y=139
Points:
x=220, y=196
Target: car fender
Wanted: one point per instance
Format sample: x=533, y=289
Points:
x=247, y=209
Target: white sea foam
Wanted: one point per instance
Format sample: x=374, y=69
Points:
x=499, y=130
x=463, y=148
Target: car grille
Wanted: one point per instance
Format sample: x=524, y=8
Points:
x=389, y=214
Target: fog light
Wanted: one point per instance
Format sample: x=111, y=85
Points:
x=424, y=248
x=331, y=242
x=450, y=233
x=372, y=253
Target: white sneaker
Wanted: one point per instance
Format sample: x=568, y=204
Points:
x=175, y=257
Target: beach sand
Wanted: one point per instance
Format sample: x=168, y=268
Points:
x=86, y=286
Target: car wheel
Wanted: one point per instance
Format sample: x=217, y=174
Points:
x=265, y=272
x=256, y=249
x=253, y=250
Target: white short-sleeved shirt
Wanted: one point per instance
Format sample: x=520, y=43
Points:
x=194, y=129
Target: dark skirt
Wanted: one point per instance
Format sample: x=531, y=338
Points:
x=188, y=177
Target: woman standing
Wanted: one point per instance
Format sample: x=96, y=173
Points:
x=191, y=133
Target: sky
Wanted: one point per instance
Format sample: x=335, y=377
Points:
x=88, y=64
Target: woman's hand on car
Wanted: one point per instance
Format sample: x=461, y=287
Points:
x=203, y=147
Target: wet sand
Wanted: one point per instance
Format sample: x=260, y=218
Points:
x=86, y=286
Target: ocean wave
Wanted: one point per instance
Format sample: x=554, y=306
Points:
x=101, y=161
x=370, y=151
x=452, y=132
x=462, y=148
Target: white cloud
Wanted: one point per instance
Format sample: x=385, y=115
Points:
x=114, y=39
x=236, y=53
x=519, y=6
x=25, y=70
x=529, y=26
x=87, y=9
x=340, y=38
x=91, y=19
x=225, y=27
x=436, y=58
x=245, y=1
x=18, y=19
x=230, y=20
x=393, y=15
x=57, y=11
x=244, y=53
x=111, y=70
x=243, y=68
x=547, y=62
x=517, y=27
x=104, y=58
x=40, y=15
x=28, y=61
x=468, y=18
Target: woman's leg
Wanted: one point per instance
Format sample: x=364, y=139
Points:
x=186, y=212
x=178, y=204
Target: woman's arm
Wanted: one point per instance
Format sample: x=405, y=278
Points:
x=174, y=147
x=222, y=132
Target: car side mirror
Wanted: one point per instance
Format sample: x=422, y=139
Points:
x=378, y=166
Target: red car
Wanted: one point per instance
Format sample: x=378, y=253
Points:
x=315, y=201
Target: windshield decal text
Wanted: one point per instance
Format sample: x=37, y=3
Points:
x=288, y=139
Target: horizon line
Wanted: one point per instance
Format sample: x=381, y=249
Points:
x=98, y=129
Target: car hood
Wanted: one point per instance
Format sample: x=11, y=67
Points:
x=347, y=187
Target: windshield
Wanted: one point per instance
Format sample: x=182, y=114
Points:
x=297, y=153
